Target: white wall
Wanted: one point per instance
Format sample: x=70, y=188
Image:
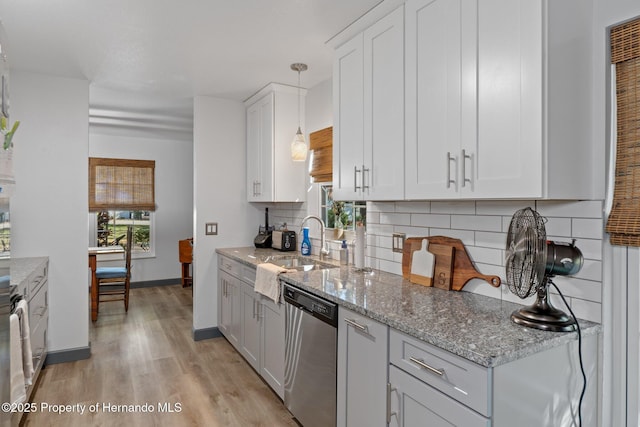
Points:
x=49, y=209
x=219, y=194
x=174, y=196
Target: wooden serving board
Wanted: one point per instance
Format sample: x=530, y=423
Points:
x=462, y=267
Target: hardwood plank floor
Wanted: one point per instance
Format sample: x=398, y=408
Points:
x=148, y=356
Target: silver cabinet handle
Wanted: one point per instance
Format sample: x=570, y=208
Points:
x=466, y=180
x=365, y=187
x=449, y=180
x=355, y=179
x=357, y=325
x=390, y=390
x=422, y=364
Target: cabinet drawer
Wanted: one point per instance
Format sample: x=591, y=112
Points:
x=230, y=266
x=459, y=378
x=414, y=403
x=38, y=307
x=37, y=278
x=248, y=274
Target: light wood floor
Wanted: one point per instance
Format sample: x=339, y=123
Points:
x=148, y=356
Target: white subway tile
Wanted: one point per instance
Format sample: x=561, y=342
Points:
x=467, y=237
x=485, y=255
x=476, y=222
x=430, y=220
x=413, y=207
x=570, y=209
x=454, y=207
x=578, y=288
x=381, y=207
x=591, y=270
x=395, y=218
x=491, y=240
x=501, y=207
x=587, y=228
x=412, y=231
x=558, y=227
x=390, y=267
x=590, y=248
x=380, y=229
x=373, y=218
x=587, y=310
x=481, y=287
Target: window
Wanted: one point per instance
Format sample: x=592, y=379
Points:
x=111, y=229
x=122, y=193
x=349, y=213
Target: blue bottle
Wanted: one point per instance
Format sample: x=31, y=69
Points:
x=305, y=248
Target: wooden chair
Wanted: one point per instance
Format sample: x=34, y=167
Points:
x=185, y=253
x=113, y=282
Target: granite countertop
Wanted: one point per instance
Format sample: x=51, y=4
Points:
x=472, y=326
x=21, y=268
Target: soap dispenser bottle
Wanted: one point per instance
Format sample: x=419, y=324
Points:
x=344, y=253
x=305, y=248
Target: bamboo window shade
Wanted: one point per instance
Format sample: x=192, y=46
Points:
x=321, y=142
x=121, y=184
x=623, y=223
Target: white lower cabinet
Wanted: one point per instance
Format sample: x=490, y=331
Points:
x=252, y=323
x=414, y=403
x=362, y=370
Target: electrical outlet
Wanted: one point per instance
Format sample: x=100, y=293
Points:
x=211, y=228
x=398, y=242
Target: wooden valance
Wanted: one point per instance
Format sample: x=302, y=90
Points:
x=624, y=220
x=121, y=184
x=321, y=142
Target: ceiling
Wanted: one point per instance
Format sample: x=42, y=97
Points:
x=177, y=48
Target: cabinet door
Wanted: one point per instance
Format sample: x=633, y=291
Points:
x=260, y=150
x=272, y=345
x=362, y=370
x=348, y=120
x=414, y=403
x=224, y=303
x=440, y=94
x=384, y=108
x=506, y=157
x=250, y=344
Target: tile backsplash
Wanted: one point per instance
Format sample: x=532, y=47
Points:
x=482, y=226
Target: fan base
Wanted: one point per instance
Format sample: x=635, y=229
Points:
x=549, y=319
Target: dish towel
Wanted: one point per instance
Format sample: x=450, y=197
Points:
x=267, y=282
x=18, y=389
x=27, y=362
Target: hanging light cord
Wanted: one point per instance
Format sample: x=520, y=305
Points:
x=584, y=376
x=298, y=99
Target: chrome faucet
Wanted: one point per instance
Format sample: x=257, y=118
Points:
x=324, y=251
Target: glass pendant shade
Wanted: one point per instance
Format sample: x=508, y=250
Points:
x=299, y=147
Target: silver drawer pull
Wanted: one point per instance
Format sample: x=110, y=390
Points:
x=421, y=363
x=390, y=389
x=357, y=325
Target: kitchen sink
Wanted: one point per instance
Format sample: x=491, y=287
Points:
x=300, y=263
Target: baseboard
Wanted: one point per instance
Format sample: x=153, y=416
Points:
x=152, y=283
x=205, y=334
x=64, y=356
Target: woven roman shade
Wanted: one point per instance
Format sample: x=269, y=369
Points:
x=321, y=142
x=121, y=184
x=623, y=223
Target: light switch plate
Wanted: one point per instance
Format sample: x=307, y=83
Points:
x=211, y=228
x=398, y=242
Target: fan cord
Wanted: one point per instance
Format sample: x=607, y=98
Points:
x=584, y=376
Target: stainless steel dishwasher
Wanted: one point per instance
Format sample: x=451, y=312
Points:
x=310, y=357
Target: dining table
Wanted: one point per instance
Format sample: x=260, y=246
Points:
x=94, y=252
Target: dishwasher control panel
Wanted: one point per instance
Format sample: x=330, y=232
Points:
x=316, y=306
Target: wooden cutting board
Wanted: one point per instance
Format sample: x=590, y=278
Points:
x=462, y=269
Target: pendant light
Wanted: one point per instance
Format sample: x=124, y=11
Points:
x=299, y=145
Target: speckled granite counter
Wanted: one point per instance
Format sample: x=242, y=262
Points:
x=472, y=326
x=21, y=268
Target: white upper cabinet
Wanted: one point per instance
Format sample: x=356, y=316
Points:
x=498, y=100
x=272, y=121
x=368, y=96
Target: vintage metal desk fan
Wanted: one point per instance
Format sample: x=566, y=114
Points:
x=531, y=262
